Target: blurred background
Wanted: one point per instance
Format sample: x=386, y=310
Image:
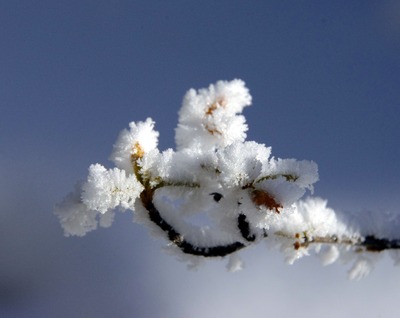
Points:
x=324, y=76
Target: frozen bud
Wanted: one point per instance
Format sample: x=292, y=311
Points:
x=107, y=189
x=134, y=143
x=264, y=199
x=209, y=117
x=241, y=163
x=76, y=218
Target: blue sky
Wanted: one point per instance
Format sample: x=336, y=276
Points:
x=324, y=76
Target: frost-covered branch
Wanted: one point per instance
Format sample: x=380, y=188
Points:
x=218, y=193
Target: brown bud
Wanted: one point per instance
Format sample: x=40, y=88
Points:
x=262, y=198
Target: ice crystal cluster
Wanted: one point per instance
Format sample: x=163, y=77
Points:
x=218, y=193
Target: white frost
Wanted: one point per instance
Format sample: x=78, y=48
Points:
x=107, y=189
x=76, y=218
x=140, y=136
x=209, y=117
